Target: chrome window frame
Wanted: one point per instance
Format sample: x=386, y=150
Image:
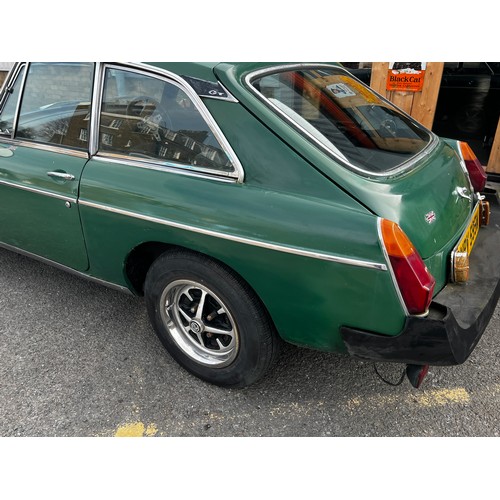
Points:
x=237, y=175
x=396, y=171
x=44, y=146
x=11, y=78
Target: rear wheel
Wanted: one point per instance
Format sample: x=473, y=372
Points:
x=209, y=319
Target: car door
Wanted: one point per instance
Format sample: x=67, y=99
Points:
x=44, y=130
x=156, y=149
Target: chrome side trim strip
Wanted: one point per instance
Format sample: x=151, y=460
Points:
x=239, y=239
x=70, y=270
x=42, y=192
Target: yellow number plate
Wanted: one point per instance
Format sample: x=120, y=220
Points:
x=470, y=235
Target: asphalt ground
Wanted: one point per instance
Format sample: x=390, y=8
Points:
x=79, y=359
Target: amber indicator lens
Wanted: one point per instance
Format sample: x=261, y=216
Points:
x=415, y=282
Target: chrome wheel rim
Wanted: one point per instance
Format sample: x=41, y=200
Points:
x=200, y=323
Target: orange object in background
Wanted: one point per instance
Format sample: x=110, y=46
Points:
x=406, y=77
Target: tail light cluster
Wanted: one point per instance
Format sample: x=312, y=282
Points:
x=414, y=280
x=476, y=171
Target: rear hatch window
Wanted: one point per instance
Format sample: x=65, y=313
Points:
x=343, y=117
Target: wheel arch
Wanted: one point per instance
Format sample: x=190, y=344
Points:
x=140, y=259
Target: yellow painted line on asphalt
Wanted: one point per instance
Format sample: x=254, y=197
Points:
x=430, y=398
x=303, y=409
x=136, y=429
x=443, y=397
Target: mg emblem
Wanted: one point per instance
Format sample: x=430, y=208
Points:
x=430, y=217
x=195, y=327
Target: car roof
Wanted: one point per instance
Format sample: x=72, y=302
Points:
x=206, y=70
x=202, y=70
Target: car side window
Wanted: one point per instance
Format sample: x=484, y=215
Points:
x=147, y=117
x=55, y=107
x=9, y=109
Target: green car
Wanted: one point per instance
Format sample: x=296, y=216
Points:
x=250, y=204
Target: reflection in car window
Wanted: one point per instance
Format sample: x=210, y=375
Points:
x=147, y=117
x=55, y=107
x=345, y=117
x=9, y=110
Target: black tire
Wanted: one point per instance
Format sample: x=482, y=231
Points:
x=214, y=325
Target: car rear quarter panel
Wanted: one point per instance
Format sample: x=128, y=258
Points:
x=283, y=201
x=428, y=186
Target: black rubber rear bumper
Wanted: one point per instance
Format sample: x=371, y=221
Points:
x=457, y=318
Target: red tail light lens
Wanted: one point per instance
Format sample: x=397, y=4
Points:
x=476, y=171
x=414, y=280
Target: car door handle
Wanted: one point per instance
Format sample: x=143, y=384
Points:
x=61, y=175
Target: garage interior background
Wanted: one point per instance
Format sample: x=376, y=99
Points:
x=459, y=100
